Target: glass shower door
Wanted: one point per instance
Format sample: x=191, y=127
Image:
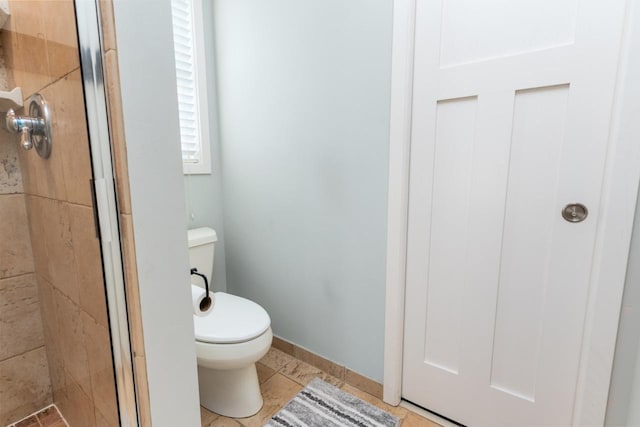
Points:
x=62, y=312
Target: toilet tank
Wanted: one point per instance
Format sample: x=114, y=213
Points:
x=201, y=251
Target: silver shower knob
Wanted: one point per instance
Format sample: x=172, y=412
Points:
x=34, y=130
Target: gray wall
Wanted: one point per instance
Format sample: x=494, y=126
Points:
x=204, y=192
x=304, y=92
x=623, y=406
x=147, y=74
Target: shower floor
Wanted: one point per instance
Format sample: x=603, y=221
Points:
x=48, y=417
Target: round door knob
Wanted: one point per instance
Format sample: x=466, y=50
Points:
x=575, y=212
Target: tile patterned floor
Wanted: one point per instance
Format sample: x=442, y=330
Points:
x=282, y=376
x=48, y=417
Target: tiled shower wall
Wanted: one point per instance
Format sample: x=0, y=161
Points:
x=24, y=373
x=41, y=50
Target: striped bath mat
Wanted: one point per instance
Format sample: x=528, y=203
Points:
x=322, y=405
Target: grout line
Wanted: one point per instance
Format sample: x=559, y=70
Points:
x=24, y=352
x=71, y=301
x=18, y=275
x=51, y=83
x=344, y=377
x=270, y=376
x=64, y=420
x=58, y=200
x=76, y=204
x=34, y=414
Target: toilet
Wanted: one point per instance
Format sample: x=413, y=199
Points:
x=229, y=340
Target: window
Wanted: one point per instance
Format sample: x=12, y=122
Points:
x=188, y=38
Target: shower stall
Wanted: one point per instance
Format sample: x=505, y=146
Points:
x=65, y=357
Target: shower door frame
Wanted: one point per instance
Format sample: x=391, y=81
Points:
x=89, y=26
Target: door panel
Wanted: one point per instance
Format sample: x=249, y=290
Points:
x=538, y=133
x=452, y=178
x=478, y=30
x=511, y=112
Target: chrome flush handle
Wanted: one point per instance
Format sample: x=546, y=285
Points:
x=34, y=130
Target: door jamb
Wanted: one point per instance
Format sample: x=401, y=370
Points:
x=620, y=189
x=398, y=194
x=613, y=239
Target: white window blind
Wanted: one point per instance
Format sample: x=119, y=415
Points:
x=187, y=81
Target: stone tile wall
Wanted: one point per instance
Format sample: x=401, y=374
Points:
x=24, y=373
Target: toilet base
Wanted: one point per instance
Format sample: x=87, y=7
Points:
x=233, y=393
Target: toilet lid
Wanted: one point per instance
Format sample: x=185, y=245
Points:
x=232, y=320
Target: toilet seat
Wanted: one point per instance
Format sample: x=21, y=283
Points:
x=233, y=320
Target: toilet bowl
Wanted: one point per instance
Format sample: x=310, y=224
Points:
x=229, y=341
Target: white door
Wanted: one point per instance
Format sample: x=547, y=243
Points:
x=510, y=123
